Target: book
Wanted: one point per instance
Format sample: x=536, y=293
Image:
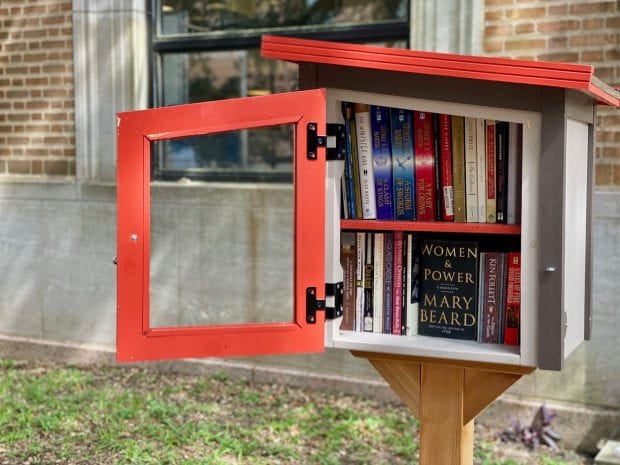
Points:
x=471, y=171
x=349, y=194
x=403, y=173
x=364, y=154
x=403, y=300
x=445, y=158
x=412, y=284
x=388, y=281
x=397, y=292
x=437, y=164
x=347, y=260
x=368, y=282
x=512, y=315
x=382, y=161
x=513, y=209
x=501, y=170
x=448, y=289
x=481, y=166
x=426, y=207
x=491, y=198
x=360, y=249
x=377, y=285
x=458, y=167
x=491, y=288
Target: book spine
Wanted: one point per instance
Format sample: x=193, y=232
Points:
x=382, y=161
x=481, y=165
x=378, y=264
x=471, y=171
x=348, y=256
x=512, y=314
x=368, y=281
x=458, y=167
x=413, y=268
x=481, y=294
x=347, y=112
x=502, y=278
x=403, y=299
x=501, y=156
x=424, y=166
x=437, y=165
x=490, y=300
x=360, y=247
x=397, y=297
x=403, y=173
x=491, y=173
x=388, y=281
x=513, y=213
x=364, y=153
x=355, y=168
x=447, y=183
x=448, y=289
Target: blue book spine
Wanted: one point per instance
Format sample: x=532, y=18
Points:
x=347, y=111
x=403, y=173
x=382, y=161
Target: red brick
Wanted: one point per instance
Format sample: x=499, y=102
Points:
x=591, y=8
x=17, y=140
x=35, y=9
x=525, y=44
x=56, y=167
x=592, y=23
x=558, y=26
x=493, y=15
x=36, y=152
x=592, y=39
x=590, y=56
x=37, y=167
x=491, y=46
x=15, y=47
x=558, y=42
x=53, y=44
x=30, y=57
x=17, y=93
x=18, y=166
x=53, y=20
x=603, y=175
x=493, y=31
x=524, y=28
x=35, y=33
x=611, y=152
x=565, y=57
x=53, y=68
x=520, y=13
x=613, y=23
x=37, y=81
x=557, y=10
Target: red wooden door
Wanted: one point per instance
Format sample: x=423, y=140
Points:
x=136, y=339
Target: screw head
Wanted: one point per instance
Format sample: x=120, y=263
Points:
x=133, y=237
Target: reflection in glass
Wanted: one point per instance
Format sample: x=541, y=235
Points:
x=224, y=257
x=208, y=16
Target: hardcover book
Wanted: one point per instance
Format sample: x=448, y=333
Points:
x=490, y=314
x=515, y=134
x=368, y=283
x=364, y=154
x=413, y=284
x=445, y=150
x=349, y=182
x=347, y=260
x=471, y=171
x=513, y=300
x=403, y=174
x=458, y=167
x=360, y=253
x=424, y=166
x=448, y=289
x=382, y=161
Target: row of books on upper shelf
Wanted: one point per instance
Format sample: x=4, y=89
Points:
x=406, y=284
x=415, y=165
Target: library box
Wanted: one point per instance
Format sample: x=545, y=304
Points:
x=460, y=187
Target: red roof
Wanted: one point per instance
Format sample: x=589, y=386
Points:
x=539, y=73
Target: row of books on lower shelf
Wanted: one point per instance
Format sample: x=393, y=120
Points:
x=402, y=283
x=416, y=165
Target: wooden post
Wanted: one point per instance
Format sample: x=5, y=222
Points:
x=446, y=396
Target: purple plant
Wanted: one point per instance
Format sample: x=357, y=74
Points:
x=537, y=433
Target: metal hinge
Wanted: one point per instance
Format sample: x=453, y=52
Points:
x=313, y=304
x=334, y=141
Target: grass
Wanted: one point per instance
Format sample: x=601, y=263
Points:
x=62, y=414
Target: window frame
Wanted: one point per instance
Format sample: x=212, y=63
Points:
x=160, y=45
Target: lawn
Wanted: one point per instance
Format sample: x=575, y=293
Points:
x=51, y=413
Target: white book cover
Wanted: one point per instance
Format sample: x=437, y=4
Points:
x=377, y=296
x=513, y=211
x=364, y=156
x=471, y=172
x=481, y=166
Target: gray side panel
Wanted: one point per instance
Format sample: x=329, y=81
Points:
x=446, y=89
x=550, y=315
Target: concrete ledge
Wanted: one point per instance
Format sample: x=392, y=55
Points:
x=581, y=426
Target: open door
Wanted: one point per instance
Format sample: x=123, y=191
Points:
x=137, y=337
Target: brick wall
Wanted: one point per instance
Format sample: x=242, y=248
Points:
x=37, y=134
x=569, y=31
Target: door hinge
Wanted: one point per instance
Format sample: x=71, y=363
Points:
x=313, y=304
x=334, y=141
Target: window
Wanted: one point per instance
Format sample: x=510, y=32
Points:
x=210, y=49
